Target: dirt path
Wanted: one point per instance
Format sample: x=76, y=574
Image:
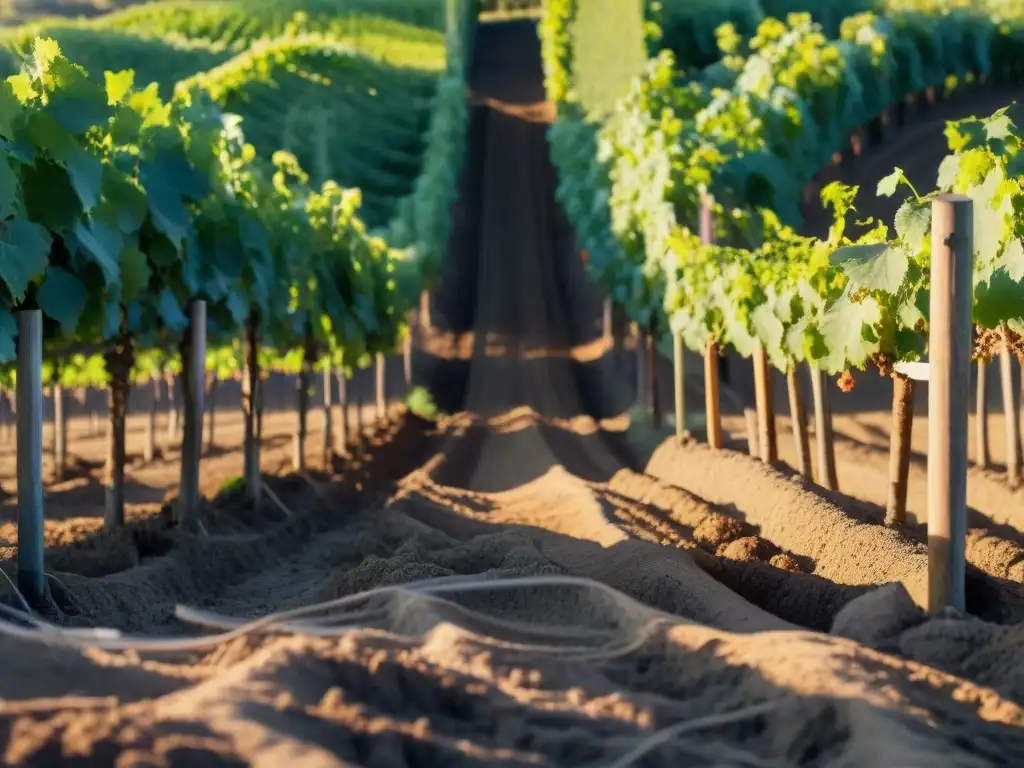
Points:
x=660, y=627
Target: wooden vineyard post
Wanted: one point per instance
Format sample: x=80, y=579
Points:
x=1011, y=414
x=767, y=438
x=607, y=323
x=149, y=451
x=679, y=382
x=343, y=436
x=118, y=360
x=172, y=406
x=407, y=361
x=711, y=396
x=381, y=389
x=653, y=394
x=328, y=411
x=949, y=345
x=899, y=448
x=424, y=311
x=823, y=434
x=60, y=428
x=250, y=409
x=641, y=379
x=982, y=446
x=302, y=387
x=31, y=579
x=753, y=446
x=359, y=416
x=211, y=411
x=641, y=374
x=798, y=415
x=192, y=440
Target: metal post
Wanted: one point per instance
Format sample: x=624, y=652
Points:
x=31, y=580
x=192, y=447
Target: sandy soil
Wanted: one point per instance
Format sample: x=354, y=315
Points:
x=523, y=582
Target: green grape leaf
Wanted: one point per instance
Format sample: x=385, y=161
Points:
x=846, y=332
x=62, y=296
x=913, y=220
x=8, y=333
x=104, y=245
x=24, y=250
x=237, y=306
x=997, y=299
x=123, y=202
x=887, y=186
x=162, y=251
x=50, y=197
x=86, y=172
x=118, y=84
x=877, y=267
x=949, y=169
x=135, y=273
x=1012, y=259
x=793, y=342
x=9, y=185
x=909, y=312
x=170, y=311
x=998, y=126
x=10, y=108
x=990, y=223
x=769, y=331
x=80, y=103
x=169, y=213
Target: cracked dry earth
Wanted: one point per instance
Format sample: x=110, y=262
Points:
x=570, y=598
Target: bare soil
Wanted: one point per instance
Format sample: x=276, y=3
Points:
x=671, y=607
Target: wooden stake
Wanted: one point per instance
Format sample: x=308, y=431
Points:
x=407, y=361
x=711, y=397
x=654, y=395
x=192, y=441
x=343, y=436
x=949, y=349
x=823, y=434
x=798, y=415
x=381, y=377
x=118, y=360
x=641, y=371
x=607, y=324
x=328, y=415
x=250, y=396
x=753, y=446
x=679, y=380
x=173, y=412
x=1011, y=418
x=425, y=311
x=149, y=451
x=899, y=448
x=767, y=438
x=60, y=431
x=31, y=579
x=302, y=385
x=211, y=412
x=360, y=416
x=982, y=445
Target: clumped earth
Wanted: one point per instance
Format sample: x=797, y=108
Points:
x=522, y=580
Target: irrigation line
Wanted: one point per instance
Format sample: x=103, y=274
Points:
x=17, y=592
x=113, y=640
x=277, y=501
x=659, y=738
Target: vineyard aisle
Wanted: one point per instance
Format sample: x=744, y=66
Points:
x=701, y=653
